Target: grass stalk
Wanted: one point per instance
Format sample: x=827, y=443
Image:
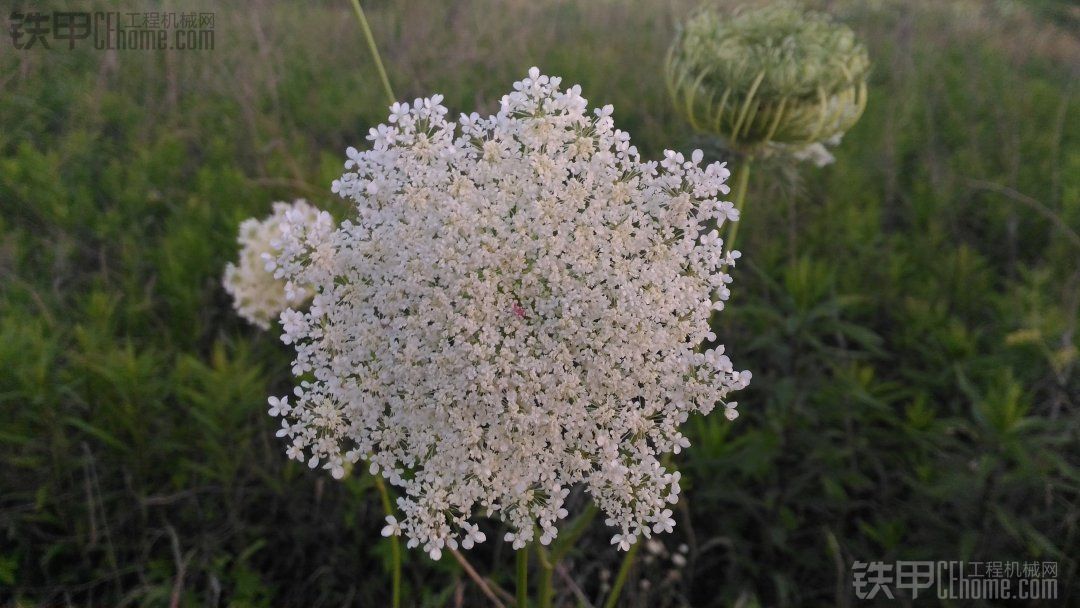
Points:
x=384, y=494
x=374, y=50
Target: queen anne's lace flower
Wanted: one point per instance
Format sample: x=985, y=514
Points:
x=259, y=296
x=778, y=79
x=514, y=309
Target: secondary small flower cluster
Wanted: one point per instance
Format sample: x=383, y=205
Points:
x=258, y=296
x=514, y=309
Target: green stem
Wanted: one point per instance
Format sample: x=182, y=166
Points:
x=543, y=599
x=523, y=577
x=384, y=494
x=374, y=51
x=742, y=178
x=620, y=578
x=395, y=545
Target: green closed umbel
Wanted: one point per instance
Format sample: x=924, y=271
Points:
x=777, y=75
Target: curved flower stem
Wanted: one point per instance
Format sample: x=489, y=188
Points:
x=620, y=578
x=543, y=597
x=395, y=545
x=571, y=584
x=486, y=587
x=742, y=178
x=523, y=577
x=374, y=50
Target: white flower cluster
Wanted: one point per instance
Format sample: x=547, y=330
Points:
x=514, y=309
x=259, y=296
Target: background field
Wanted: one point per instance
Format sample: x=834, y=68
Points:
x=909, y=313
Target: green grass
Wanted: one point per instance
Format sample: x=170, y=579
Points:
x=909, y=313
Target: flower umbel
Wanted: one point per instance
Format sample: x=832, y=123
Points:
x=258, y=295
x=514, y=309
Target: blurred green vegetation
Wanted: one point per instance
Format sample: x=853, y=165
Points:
x=909, y=313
